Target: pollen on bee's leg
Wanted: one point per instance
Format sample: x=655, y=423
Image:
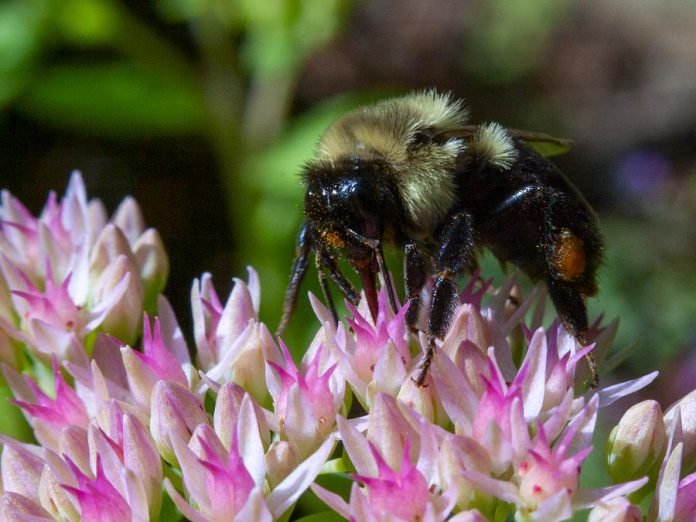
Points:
x=332, y=238
x=569, y=256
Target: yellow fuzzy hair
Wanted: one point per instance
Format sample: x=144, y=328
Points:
x=385, y=132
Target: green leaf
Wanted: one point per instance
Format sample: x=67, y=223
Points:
x=115, y=99
x=87, y=22
x=549, y=146
x=169, y=511
x=12, y=421
x=281, y=34
x=20, y=39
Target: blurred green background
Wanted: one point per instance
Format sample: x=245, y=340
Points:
x=205, y=110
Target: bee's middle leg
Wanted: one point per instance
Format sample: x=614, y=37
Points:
x=454, y=256
x=416, y=271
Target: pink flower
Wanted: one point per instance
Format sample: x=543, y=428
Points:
x=98, y=499
x=675, y=498
x=305, y=403
x=70, y=272
x=549, y=471
x=403, y=494
x=500, y=431
x=376, y=358
x=48, y=416
x=156, y=357
x=370, y=339
x=232, y=344
x=229, y=484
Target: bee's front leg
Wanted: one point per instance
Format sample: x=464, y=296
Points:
x=305, y=244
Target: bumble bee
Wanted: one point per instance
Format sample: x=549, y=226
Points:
x=410, y=171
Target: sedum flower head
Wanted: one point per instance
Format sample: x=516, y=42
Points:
x=71, y=271
x=131, y=417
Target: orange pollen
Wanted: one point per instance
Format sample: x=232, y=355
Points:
x=569, y=256
x=332, y=238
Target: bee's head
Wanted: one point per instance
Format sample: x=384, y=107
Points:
x=347, y=200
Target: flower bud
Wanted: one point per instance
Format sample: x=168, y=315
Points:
x=243, y=360
x=14, y=506
x=129, y=218
x=175, y=411
x=110, y=244
x=419, y=398
x=152, y=263
x=227, y=406
x=124, y=318
x=54, y=498
x=140, y=456
x=637, y=442
x=617, y=509
x=281, y=459
x=21, y=469
x=97, y=218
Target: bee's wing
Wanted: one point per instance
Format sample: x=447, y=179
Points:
x=544, y=144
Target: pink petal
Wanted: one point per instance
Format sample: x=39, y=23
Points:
x=238, y=310
x=499, y=488
x=357, y=447
x=251, y=446
x=388, y=430
x=333, y=500
x=292, y=487
x=686, y=498
x=534, y=382
x=16, y=507
x=610, y=394
x=255, y=509
x=188, y=511
x=21, y=469
x=458, y=399
x=586, y=498
x=171, y=331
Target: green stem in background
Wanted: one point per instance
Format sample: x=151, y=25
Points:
x=224, y=96
x=267, y=106
x=146, y=46
x=240, y=121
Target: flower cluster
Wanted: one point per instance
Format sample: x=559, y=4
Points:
x=132, y=423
